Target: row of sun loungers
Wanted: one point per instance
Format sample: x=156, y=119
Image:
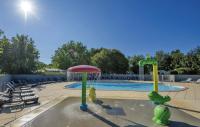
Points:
x=17, y=97
x=35, y=82
x=189, y=80
x=18, y=93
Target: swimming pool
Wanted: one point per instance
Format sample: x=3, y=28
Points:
x=126, y=86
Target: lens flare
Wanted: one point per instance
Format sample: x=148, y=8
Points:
x=27, y=7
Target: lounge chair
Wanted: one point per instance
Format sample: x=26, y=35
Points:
x=19, y=82
x=5, y=99
x=8, y=93
x=5, y=94
x=198, y=81
x=188, y=80
x=24, y=94
x=14, y=106
x=17, y=102
x=26, y=99
x=1, y=103
x=32, y=83
x=30, y=99
x=22, y=91
x=11, y=103
x=10, y=85
x=20, y=87
x=28, y=86
x=16, y=94
x=13, y=90
x=28, y=96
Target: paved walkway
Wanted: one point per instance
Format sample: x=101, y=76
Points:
x=187, y=100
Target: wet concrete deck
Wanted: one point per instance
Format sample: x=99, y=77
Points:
x=106, y=113
x=187, y=100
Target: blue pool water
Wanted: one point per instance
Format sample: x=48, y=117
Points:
x=127, y=86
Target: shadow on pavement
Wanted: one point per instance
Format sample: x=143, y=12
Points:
x=108, y=122
x=180, y=124
x=183, y=108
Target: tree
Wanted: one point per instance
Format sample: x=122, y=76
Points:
x=93, y=51
x=40, y=65
x=102, y=60
x=133, y=62
x=4, y=51
x=70, y=54
x=193, y=60
x=20, y=56
x=119, y=62
x=110, y=61
x=3, y=41
x=177, y=59
x=164, y=60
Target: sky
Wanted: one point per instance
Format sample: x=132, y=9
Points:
x=132, y=26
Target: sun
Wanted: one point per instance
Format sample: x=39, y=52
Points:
x=26, y=7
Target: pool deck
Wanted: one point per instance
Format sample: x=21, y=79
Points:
x=187, y=100
x=107, y=113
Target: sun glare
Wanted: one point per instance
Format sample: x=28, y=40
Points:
x=27, y=7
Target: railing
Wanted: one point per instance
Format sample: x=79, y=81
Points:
x=162, y=78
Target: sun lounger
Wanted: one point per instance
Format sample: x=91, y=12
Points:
x=27, y=86
x=10, y=95
x=6, y=92
x=22, y=82
x=11, y=103
x=5, y=99
x=14, y=106
x=18, y=83
x=188, y=80
x=24, y=94
x=22, y=91
x=198, y=81
x=13, y=90
x=13, y=84
x=16, y=101
x=1, y=103
x=32, y=83
x=26, y=99
x=30, y=99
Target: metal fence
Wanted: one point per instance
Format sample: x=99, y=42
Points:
x=162, y=78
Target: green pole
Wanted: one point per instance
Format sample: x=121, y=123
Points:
x=84, y=83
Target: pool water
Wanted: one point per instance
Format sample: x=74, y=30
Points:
x=126, y=86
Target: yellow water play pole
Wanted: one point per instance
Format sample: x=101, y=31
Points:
x=155, y=77
x=153, y=62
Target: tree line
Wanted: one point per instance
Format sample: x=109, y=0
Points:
x=113, y=61
x=19, y=55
